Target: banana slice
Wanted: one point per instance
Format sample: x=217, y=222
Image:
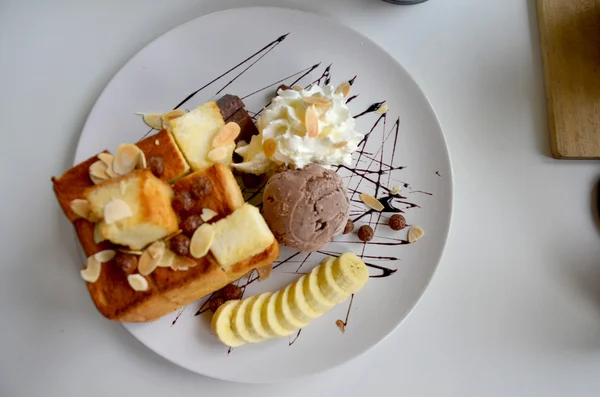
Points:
x=254, y=314
x=350, y=272
x=221, y=324
x=299, y=307
x=329, y=287
x=284, y=311
x=238, y=322
x=269, y=319
x=314, y=297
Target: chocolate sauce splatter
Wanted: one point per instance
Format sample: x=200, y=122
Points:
x=291, y=342
x=373, y=108
x=351, y=98
x=305, y=71
x=178, y=315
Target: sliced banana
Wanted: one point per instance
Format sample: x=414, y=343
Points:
x=270, y=320
x=314, y=297
x=350, y=272
x=238, y=322
x=329, y=287
x=254, y=315
x=221, y=324
x=298, y=305
x=285, y=312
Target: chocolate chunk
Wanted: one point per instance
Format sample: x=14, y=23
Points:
x=229, y=104
x=349, y=227
x=365, y=233
x=397, y=222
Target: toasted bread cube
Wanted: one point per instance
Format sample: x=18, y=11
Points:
x=149, y=200
x=194, y=133
x=163, y=145
x=240, y=236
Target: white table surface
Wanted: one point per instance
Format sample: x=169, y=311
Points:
x=514, y=308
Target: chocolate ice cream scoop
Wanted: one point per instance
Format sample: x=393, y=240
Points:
x=306, y=208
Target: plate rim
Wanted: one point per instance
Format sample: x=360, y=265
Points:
x=449, y=198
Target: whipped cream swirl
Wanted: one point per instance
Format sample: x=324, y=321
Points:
x=284, y=122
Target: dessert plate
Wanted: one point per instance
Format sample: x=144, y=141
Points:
x=250, y=52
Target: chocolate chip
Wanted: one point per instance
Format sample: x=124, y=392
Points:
x=215, y=302
x=201, y=187
x=190, y=224
x=365, y=233
x=157, y=165
x=349, y=227
x=397, y=222
x=180, y=244
x=231, y=292
x=126, y=262
x=250, y=180
x=182, y=201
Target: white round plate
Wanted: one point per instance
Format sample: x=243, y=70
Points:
x=196, y=53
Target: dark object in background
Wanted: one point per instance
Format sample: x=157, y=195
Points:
x=405, y=2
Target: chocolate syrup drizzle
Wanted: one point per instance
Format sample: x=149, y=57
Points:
x=366, y=175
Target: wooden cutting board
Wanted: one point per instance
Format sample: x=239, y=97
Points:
x=570, y=44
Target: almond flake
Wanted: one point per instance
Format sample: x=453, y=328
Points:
x=172, y=115
x=126, y=158
x=81, y=208
x=415, y=233
x=92, y=271
x=153, y=120
x=311, y=120
x=156, y=249
x=297, y=88
x=147, y=263
x=137, y=282
x=98, y=169
x=182, y=263
x=141, y=161
x=395, y=190
x=111, y=173
x=105, y=256
x=98, y=237
x=341, y=325
x=344, y=89
x=170, y=236
x=371, y=202
x=96, y=180
x=264, y=272
x=157, y=142
x=106, y=158
x=382, y=109
x=202, y=240
x=339, y=145
x=115, y=210
x=207, y=214
x=132, y=252
x=315, y=100
x=167, y=259
x=217, y=154
x=270, y=147
x=226, y=135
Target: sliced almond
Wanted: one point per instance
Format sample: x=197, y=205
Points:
x=141, y=161
x=111, y=173
x=156, y=249
x=207, y=214
x=81, y=207
x=297, y=88
x=264, y=272
x=395, y=190
x=170, y=236
x=98, y=169
x=172, y=115
x=311, y=120
x=132, y=252
x=106, y=158
x=339, y=145
x=137, y=282
x=343, y=89
x=126, y=158
x=147, y=263
x=371, y=202
x=92, y=271
x=182, y=263
x=270, y=147
x=96, y=180
x=415, y=233
x=153, y=120
x=382, y=109
x=202, y=240
x=115, y=210
x=98, y=237
x=105, y=256
x=157, y=142
x=167, y=259
x=226, y=135
x=316, y=100
x=218, y=154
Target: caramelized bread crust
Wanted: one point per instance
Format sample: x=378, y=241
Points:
x=163, y=145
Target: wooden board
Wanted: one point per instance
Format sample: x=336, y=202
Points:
x=570, y=44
